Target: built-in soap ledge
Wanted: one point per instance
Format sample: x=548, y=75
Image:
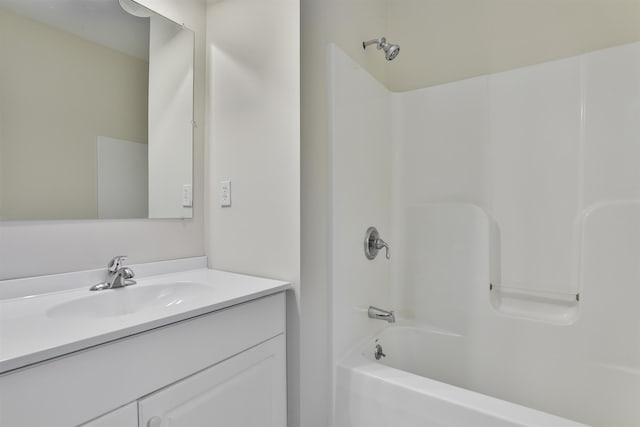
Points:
x=552, y=307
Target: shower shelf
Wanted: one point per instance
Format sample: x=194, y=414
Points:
x=551, y=307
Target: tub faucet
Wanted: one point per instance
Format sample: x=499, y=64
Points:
x=118, y=275
x=378, y=313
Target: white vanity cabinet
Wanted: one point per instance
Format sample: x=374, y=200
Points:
x=247, y=390
x=225, y=368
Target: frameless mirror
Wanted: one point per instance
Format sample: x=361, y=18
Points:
x=96, y=111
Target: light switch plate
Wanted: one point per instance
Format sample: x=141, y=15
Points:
x=225, y=193
x=187, y=196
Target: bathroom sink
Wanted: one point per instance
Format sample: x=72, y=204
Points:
x=131, y=300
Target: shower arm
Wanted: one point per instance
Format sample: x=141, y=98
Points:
x=377, y=42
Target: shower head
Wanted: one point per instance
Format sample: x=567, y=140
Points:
x=390, y=50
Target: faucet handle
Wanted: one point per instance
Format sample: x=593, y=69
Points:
x=373, y=243
x=127, y=273
x=379, y=244
x=115, y=263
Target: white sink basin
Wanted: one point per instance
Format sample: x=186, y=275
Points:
x=39, y=326
x=130, y=300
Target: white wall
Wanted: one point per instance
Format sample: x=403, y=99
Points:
x=545, y=154
x=170, y=118
x=346, y=23
x=538, y=147
x=43, y=247
x=360, y=135
x=548, y=154
x=253, y=132
x=253, y=135
x=441, y=41
x=123, y=174
x=533, y=172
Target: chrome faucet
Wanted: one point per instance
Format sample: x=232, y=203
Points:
x=118, y=275
x=378, y=313
x=121, y=278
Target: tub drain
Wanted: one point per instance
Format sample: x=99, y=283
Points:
x=378, y=353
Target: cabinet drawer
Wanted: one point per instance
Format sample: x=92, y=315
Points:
x=127, y=416
x=247, y=390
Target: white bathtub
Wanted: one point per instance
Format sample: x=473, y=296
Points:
x=412, y=386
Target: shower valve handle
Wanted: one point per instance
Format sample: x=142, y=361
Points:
x=382, y=244
x=373, y=243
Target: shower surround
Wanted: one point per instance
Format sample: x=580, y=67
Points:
x=511, y=203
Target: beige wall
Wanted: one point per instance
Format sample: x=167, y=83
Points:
x=45, y=247
x=449, y=40
x=59, y=92
x=253, y=135
x=1, y=169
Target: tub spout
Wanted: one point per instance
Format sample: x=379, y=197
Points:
x=378, y=313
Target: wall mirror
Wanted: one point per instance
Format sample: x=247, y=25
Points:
x=96, y=111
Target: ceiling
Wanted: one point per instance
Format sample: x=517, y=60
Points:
x=100, y=21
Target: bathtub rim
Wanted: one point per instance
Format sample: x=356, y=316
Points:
x=355, y=360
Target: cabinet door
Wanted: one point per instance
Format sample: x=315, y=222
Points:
x=127, y=416
x=246, y=390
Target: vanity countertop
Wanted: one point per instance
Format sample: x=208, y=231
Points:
x=40, y=327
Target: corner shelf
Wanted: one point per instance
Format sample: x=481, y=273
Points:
x=550, y=307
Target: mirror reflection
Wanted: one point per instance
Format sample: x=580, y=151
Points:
x=96, y=111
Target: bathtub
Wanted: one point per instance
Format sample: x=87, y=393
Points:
x=421, y=382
